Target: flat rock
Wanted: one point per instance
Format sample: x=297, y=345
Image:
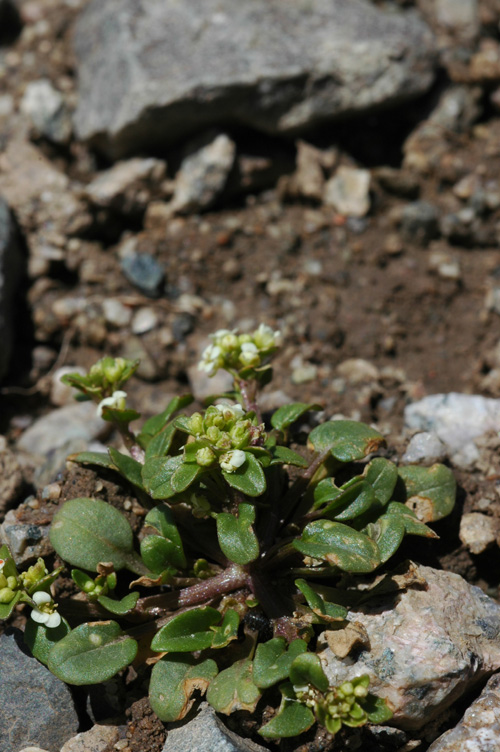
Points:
x=36, y=708
x=99, y=738
x=150, y=73
x=457, y=419
x=11, y=264
x=206, y=733
x=424, y=447
x=59, y=427
x=110, y=187
x=428, y=646
x=479, y=729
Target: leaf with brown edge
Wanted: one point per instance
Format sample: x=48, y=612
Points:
x=234, y=689
x=174, y=679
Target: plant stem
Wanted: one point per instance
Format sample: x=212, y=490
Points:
x=136, y=451
x=232, y=578
x=248, y=390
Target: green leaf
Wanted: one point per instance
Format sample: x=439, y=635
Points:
x=6, y=609
x=159, y=554
x=124, y=606
x=307, y=669
x=174, y=679
x=228, y=630
x=157, y=423
x=249, y=478
x=115, y=415
x=85, y=532
x=292, y=718
x=272, y=660
x=339, y=545
x=161, y=518
x=284, y=416
x=92, y=458
x=92, y=653
x=284, y=456
x=187, y=631
x=83, y=580
x=40, y=640
x=128, y=467
x=348, y=440
x=185, y=476
x=430, y=490
x=157, y=476
x=236, y=536
x=328, y=611
x=376, y=709
x=387, y=532
x=234, y=689
x=352, y=502
x=160, y=444
x=413, y=526
x=382, y=475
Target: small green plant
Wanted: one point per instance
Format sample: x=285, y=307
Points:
x=245, y=547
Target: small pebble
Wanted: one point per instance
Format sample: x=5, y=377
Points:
x=145, y=319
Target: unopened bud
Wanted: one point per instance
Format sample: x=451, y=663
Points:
x=205, y=457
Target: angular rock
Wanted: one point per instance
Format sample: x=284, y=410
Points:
x=36, y=708
x=424, y=447
x=203, y=174
x=47, y=110
x=349, y=191
x=11, y=264
x=54, y=430
x=145, y=272
x=428, y=646
x=479, y=729
x=11, y=479
x=176, y=68
x=478, y=531
x=99, y=738
x=419, y=222
x=206, y=733
x=113, y=187
x=457, y=419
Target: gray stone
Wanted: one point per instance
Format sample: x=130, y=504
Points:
x=11, y=264
x=144, y=272
x=36, y=708
x=424, y=447
x=26, y=541
x=428, y=646
x=478, y=531
x=419, y=222
x=110, y=188
x=457, y=419
x=348, y=191
x=99, y=738
x=150, y=73
x=206, y=733
x=358, y=371
x=461, y=17
x=11, y=479
x=203, y=174
x=71, y=422
x=479, y=729
x=47, y=110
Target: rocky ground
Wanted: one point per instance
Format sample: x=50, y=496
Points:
x=329, y=168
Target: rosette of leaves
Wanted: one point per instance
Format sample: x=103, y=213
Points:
x=241, y=558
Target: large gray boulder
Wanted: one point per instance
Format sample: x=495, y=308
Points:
x=11, y=265
x=153, y=71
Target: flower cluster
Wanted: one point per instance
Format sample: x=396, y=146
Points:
x=340, y=705
x=8, y=585
x=238, y=352
x=222, y=433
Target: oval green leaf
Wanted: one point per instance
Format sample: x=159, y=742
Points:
x=273, y=660
x=382, y=476
x=157, y=423
x=249, y=478
x=347, y=440
x=387, y=532
x=284, y=456
x=92, y=653
x=431, y=491
x=121, y=607
x=292, y=718
x=351, y=503
x=325, y=611
x=85, y=532
x=127, y=466
x=157, y=476
x=187, y=631
x=234, y=689
x=307, y=669
x=185, y=476
x=339, y=545
x=236, y=536
x=284, y=416
x=174, y=680
x=40, y=640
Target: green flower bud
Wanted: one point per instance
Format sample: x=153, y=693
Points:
x=205, y=457
x=360, y=691
x=195, y=424
x=3, y=581
x=12, y=583
x=229, y=341
x=89, y=587
x=6, y=595
x=224, y=442
x=96, y=373
x=346, y=688
x=240, y=434
x=34, y=574
x=200, y=506
x=113, y=369
x=111, y=580
x=249, y=356
x=213, y=434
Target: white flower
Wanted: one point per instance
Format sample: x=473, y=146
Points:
x=235, y=410
x=266, y=338
x=45, y=613
x=249, y=354
x=232, y=460
x=211, y=359
x=116, y=400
